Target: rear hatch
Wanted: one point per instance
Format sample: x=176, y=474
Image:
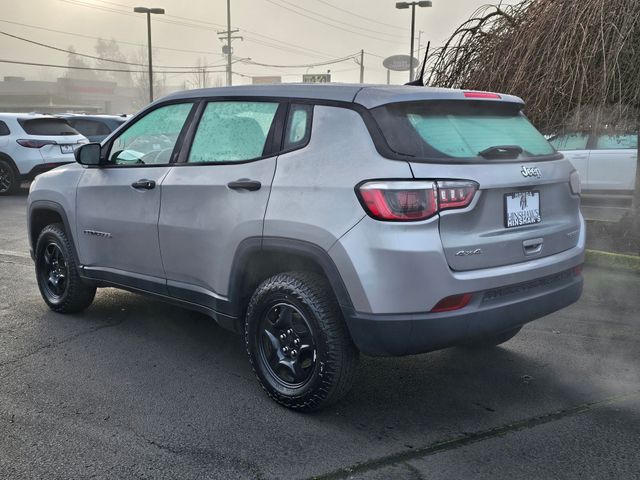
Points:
x=54, y=137
x=525, y=207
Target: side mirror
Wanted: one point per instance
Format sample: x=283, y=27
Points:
x=88, y=154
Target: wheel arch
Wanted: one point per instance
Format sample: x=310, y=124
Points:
x=11, y=162
x=43, y=213
x=257, y=259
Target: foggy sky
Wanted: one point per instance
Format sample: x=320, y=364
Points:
x=313, y=41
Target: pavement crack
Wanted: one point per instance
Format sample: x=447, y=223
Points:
x=470, y=438
x=56, y=344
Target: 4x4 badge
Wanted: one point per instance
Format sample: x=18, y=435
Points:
x=531, y=172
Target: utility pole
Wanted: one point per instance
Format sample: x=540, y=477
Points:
x=226, y=49
x=361, y=66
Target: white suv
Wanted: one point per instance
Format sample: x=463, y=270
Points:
x=31, y=144
x=607, y=164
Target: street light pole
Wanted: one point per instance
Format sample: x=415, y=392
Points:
x=149, y=11
x=413, y=5
x=229, y=71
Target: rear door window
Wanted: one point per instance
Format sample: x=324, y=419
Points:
x=233, y=131
x=455, y=130
x=4, y=130
x=617, y=142
x=49, y=127
x=573, y=141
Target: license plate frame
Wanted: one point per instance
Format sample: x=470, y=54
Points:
x=519, y=212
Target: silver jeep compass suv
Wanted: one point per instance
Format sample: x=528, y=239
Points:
x=321, y=221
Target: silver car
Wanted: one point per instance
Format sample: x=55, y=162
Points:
x=321, y=221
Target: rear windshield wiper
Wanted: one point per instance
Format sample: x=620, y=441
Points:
x=502, y=151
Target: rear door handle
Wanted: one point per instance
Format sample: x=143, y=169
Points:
x=144, y=184
x=245, y=184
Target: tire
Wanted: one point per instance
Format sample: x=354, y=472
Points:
x=496, y=340
x=56, y=271
x=301, y=306
x=9, y=182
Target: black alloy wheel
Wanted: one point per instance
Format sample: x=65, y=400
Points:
x=8, y=179
x=298, y=343
x=58, y=279
x=287, y=347
x=54, y=272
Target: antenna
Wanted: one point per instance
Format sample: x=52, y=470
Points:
x=419, y=81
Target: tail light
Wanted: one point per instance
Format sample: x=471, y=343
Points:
x=30, y=143
x=574, y=182
x=407, y=201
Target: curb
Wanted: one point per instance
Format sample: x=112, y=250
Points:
x=617, y=261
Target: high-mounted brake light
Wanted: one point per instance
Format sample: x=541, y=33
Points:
x=482, y=95
x=410, y=201
x=30, y=143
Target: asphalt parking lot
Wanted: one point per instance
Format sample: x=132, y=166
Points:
x=134, y=388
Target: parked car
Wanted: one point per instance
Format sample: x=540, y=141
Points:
x=95, y=127
x=607, y=164
x=321, y=221
x=31, y=144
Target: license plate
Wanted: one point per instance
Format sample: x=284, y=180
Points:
x=521, y=208
x=67, y=148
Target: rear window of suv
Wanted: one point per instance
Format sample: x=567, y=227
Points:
x=47, y=127
x=455, y=130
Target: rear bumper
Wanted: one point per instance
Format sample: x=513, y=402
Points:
x=41, y=168
x=490, y=312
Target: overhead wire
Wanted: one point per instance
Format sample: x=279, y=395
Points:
x=344, y=10
x=319, y=21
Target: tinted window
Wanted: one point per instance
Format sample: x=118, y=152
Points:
x=617, y=142
x=298, y=126
x=574, y=141
x=152, y=139
x=89, y=127
x=232, y=131
x=4, y=130
x=457, y=129
x=47, y=127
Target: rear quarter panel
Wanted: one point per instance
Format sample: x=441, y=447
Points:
x=313, y=192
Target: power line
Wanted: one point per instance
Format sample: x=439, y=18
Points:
x=312, y=12
x=122, y=42
x=94, y=57
x=308, y=65
x=203, y=26
x=217, y=25
x=98, y=69
x=321, y=21
x=360, y=16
